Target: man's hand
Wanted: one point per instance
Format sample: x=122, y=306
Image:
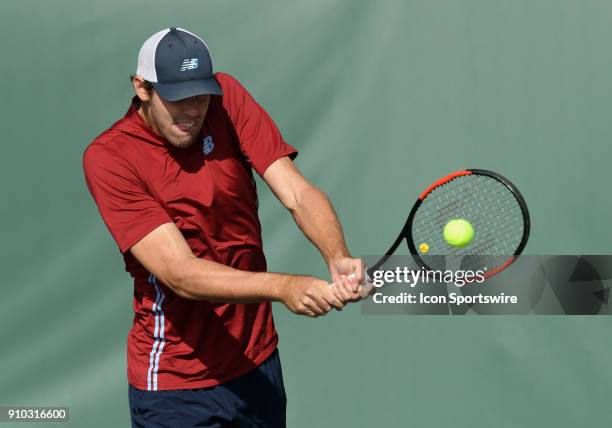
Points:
x=347, y=275
x=306, y=295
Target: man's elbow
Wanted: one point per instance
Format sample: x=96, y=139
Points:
x=178, y=279
x=305, y=197
x=184, y=292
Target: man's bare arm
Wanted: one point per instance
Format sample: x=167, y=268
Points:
x=165, y=253
x=315, y=216
x=309, y=206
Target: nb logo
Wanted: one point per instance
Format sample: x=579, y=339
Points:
x=207, y=145
x=189, y=64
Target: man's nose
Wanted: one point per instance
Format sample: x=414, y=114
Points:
x=192, y=107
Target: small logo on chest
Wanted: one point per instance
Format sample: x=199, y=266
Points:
x=207, y=145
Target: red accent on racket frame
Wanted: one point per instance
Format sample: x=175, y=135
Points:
x=498, y=269
x=444, y=180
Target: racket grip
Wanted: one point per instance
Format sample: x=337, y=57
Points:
x=366, y=289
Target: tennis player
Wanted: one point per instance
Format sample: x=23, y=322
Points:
x=174, y=185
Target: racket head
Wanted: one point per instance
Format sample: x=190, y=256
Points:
x=490, y=202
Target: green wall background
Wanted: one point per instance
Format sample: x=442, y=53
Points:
x=381, y=98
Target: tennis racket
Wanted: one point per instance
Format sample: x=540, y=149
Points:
x=489, y=201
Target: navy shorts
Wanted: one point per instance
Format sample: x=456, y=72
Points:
x=255, y=399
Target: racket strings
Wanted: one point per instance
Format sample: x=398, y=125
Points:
x=487, y=204
x=509, y=216
x=476, y=249
x=460, y=201
x=487, y=246
x=482, y=262
x=503, y=226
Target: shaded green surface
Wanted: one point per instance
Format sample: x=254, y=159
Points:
x=381, y=98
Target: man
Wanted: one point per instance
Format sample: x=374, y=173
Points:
x=173, y=182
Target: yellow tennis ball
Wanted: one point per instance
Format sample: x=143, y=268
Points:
x=458, y=232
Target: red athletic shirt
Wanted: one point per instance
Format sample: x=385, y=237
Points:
x=139, y=182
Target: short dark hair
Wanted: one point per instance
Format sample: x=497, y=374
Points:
x=147, y=85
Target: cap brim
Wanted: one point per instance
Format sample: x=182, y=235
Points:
x=190, y=88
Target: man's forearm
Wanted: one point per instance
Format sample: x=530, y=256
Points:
x=201, y=279
x=205, y=280
x=317, y=219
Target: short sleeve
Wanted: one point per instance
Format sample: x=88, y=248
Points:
x=128, y=210
x=260, y=139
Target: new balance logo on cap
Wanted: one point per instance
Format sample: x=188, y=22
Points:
x=189, y=64
x=178, y=64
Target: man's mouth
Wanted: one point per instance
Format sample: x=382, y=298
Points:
x=185, y=126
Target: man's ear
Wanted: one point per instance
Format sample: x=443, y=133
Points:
x=140, y=87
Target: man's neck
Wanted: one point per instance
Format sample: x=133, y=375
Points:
x=143, y=113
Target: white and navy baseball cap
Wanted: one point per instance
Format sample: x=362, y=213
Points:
x=178, y=64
